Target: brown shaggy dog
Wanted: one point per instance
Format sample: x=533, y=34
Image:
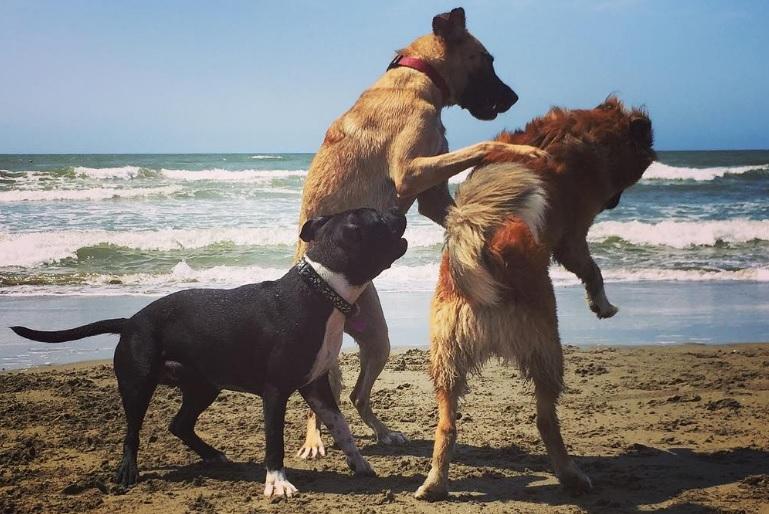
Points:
x=494, y=295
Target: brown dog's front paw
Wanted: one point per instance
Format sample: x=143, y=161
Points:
x=604, y=311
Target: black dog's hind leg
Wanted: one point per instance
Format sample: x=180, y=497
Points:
x=320, y=398
x=197, y=395
x=136, y=367
x=274, y=405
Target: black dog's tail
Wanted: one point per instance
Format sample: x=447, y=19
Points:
x=105, y=326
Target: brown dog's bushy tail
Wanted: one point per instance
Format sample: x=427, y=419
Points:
x=491, y=195
x=105, y=326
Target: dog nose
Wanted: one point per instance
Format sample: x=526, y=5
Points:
x=507, y=99
x=513, y=98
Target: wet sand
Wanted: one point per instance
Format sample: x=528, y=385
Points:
x=676, y=429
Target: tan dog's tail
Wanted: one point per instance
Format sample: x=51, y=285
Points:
x=491, y=195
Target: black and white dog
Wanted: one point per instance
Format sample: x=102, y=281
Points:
x=271, y=339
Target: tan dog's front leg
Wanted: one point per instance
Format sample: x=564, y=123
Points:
x=576, y=258
x=313, y=444
x=414, y=176
x=319, y=397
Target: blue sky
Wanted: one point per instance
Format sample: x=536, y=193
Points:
x=245, y=76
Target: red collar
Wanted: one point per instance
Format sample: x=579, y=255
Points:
x=418, y=64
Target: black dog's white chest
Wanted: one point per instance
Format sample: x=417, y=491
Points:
x=330, y=346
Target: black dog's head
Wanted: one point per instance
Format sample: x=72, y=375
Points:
x=359, y=243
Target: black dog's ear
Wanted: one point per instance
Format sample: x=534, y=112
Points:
x=640, y=128
x=311, y=226
x=450, y=25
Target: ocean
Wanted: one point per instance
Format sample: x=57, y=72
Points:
x=80, y=227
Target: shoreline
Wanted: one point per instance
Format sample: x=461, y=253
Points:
x=654, y=313
x=396, y=351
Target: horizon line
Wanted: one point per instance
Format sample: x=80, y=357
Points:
x=311, y=153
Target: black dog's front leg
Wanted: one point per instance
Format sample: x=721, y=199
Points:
x=319, y=397
x=274, y=405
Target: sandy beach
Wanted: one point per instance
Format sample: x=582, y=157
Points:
x=675, y=429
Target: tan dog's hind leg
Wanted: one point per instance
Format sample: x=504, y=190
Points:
x=436, y=485
x=313, y=444
x=547, y=374
x=369, y=330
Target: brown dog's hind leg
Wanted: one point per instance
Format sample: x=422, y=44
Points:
x=436, y=485
x=369, y=330
x=547, y=375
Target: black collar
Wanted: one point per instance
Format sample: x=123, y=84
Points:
x=317, y=283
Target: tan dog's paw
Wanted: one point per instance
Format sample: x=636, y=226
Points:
x=277, y=486
x=500, y=152
x=530, y=151
x=313, y=446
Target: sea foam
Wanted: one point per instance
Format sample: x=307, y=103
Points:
x=34, y=248
x=99, y=193
x=661, y=171
x=682, y=234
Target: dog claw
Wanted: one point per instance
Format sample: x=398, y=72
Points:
x=311, y=452
x=276, y=486
x=313, y=447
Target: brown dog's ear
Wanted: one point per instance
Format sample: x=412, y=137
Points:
x=640, y=128
x=450, y=25
x=311, y=226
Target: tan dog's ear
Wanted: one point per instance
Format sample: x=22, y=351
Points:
x=450, y=25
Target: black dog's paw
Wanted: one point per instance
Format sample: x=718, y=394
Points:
x=127, y=473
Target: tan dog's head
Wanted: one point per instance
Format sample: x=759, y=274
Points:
x=466, y=66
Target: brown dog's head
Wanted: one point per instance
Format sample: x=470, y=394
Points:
x=610, y=142
x=465, y=64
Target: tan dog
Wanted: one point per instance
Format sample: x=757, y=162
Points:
x=389, y=150
x=494, y=295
